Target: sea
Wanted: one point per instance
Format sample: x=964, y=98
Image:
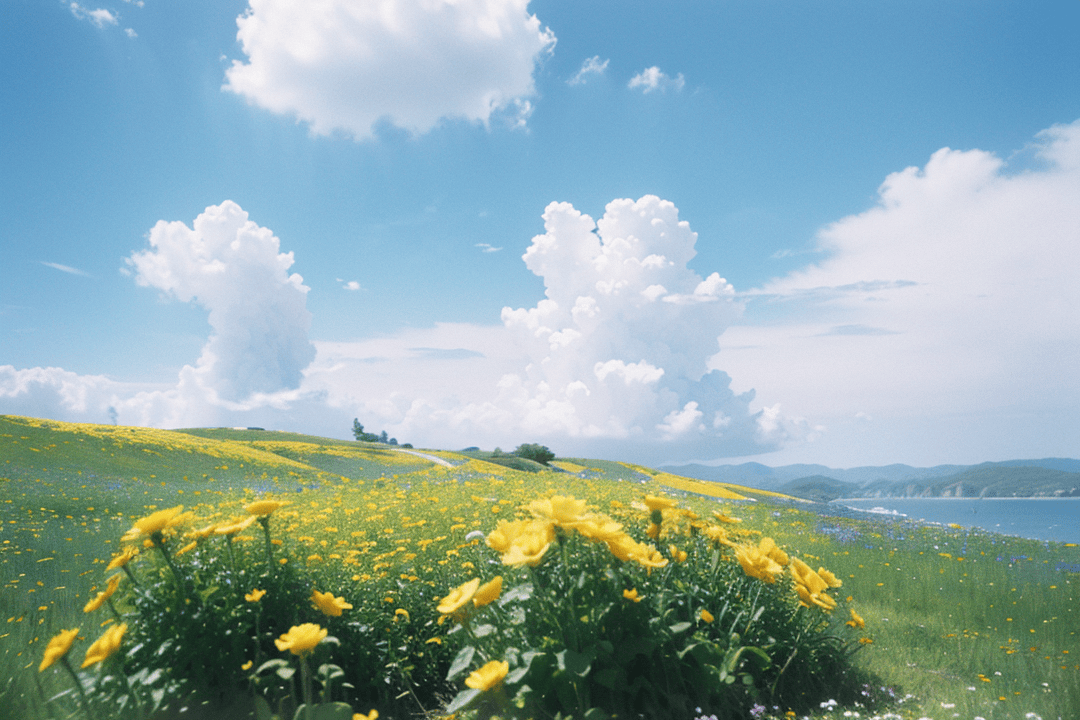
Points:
x=1055, y=519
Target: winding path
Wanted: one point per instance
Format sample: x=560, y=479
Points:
x=432, y=458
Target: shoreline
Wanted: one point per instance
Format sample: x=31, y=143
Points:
x=969, y=497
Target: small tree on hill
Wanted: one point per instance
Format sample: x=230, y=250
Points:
x=534, y=452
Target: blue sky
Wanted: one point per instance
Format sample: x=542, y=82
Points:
x=884, y=197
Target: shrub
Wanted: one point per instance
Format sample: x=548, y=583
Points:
x=534, y=452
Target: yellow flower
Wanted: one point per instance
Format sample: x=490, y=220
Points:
x=264, y=507
x=234, y=526
x=830, y=579
x=725, y=518
x=329, y=604
x=106, y=645
x=247, y=665
x=631, y=594
x=756, y=563
x=58, y=647
x=154, y=523
x=599, y=528
x=768, y=546
x=507, y=531
x=718, y=534
x=255, y=595
x=527, y=550
x=403, y=612
x=561, y=510
x=458, y=597
x=677, y=554
x=104, y=595
x=654, y=502
x=488, y=676
x=122, y=558
x=706, y=615
x=653, y=531
x=649, y=557
x=855, y=621
x=488, y=592
x=301, y=639
x=187, y=548
x=373, y=715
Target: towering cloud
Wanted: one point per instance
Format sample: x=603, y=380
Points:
x=343, y=65
x=613, y=360
x=619, y=346
x=257, y=310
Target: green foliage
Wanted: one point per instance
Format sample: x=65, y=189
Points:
x=587, y=635
x=534, y=452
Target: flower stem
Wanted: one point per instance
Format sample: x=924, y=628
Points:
x=78, y=686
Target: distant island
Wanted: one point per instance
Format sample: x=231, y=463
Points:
x=1046, y=478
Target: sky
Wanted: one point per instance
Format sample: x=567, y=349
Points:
x=842, y=232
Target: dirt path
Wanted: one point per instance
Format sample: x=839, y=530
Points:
x=432, y=458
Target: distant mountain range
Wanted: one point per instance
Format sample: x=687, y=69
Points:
x=1050, y=477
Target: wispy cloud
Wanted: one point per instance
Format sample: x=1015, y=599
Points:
x=653, y=79
x=484, y=247
x=591, y=66
x=65, y=268
x=350, y=285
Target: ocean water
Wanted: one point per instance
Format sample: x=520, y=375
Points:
x=1041, y=519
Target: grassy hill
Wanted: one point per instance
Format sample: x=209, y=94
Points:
x=955, y=618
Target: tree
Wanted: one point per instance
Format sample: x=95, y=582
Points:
x=360, y=435
x=534, y=452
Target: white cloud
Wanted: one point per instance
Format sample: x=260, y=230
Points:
x=484, y=247
x=591, y=66
x=602, y=363
x=652, y=79
x=340, y=65
x=232, y=268
x=65, y=268
x=952, y=300
x=351, y=285
x=612, y=362
x=99, y=18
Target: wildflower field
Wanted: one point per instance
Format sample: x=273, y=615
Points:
x=233, y=574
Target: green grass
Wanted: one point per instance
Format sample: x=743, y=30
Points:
x=965, y=622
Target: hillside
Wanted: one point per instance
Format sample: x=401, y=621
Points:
x=140, y=461
x=1050, y=477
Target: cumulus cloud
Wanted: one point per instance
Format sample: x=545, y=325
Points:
x=340, y=65
x=952, y=298
x=257, y=310
x=653, y=79
x=98, y=18
x=613, y=360
x=592, y=66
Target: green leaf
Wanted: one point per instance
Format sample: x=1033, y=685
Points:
x=271, y=664
x=483, y=630
x=517, y=615
x=463, y=698
x=596, y=714
x=285, y=673
x=679, y=627
x=574, y=662
x=333, y=711
x=262, y=709
x=518, y=592
x=607, y=677
x=461, y=661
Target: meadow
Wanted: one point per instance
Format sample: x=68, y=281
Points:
x=958, y=623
